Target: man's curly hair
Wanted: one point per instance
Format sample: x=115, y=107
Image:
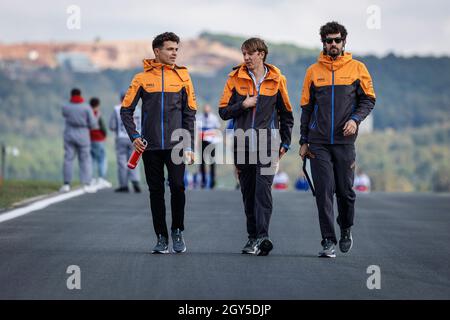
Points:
x=331, y=28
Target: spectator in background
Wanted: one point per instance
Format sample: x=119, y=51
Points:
x=229, y=136
x=124, y=149
x=98, y=138
x=302, y=184
x=362, y=182
x=208, y=124
x=281, y=180
x=79, y=119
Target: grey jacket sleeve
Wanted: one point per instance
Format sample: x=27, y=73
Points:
x=113, y=121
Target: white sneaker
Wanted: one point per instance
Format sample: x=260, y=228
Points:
x=89, y=188
x=65, y=188
x=102, y=183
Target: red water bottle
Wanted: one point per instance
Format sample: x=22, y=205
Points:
x=135, y=156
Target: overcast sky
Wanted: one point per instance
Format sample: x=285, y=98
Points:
x=406, y=27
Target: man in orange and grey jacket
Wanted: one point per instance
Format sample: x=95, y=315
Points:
x=168, y=103
x=256, y=98
x=337, y=96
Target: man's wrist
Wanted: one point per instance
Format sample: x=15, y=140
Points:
x=303, y=141
x=356, y=119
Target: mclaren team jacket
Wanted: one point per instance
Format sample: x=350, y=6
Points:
x=334, y=91
x=168, y=103
x=273, y=109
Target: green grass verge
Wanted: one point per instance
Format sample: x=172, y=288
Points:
x=12, y=191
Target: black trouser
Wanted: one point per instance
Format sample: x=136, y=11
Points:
x=212, y=167
x=154, y=161
x=333, y=171
x=256, y=191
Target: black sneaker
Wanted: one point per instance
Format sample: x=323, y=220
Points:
x=122, y=189
x=346, y=241
x=136, y=186
x=263, y=246
x=250, y=246
x=162, y=246
x=178, y=245
x=328, y=250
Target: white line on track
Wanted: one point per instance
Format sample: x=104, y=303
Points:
x=38, y=205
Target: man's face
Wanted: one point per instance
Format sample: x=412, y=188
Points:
x=333, y=48
x=207, y=108
x=168, y=53
x=252, y=59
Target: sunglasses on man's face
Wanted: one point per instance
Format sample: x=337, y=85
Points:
x=330, y=40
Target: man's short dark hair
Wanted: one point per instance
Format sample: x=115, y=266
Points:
x=332, y=28
x=94, y=102
x=256, y=44
x=159, y=40
x=75, y=92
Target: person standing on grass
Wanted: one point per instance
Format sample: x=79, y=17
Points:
x=79, y=120
x=124, y=149
x=98, y=138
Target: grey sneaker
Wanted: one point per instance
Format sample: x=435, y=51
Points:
x=328, y=250
x=178, y=241
x=250, y=246
x=162, y=246
x=346, y=241
x=263, y=246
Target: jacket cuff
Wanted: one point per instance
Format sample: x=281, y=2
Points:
x=135, y=136
x=356, y=119
x=303, y=140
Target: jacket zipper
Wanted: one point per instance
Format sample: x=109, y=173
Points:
x=254, y=116
x=162, y=110
x=332, y=105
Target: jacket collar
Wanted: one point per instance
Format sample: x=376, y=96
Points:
x=331, y=64
x=273, y=73
x=151, y=64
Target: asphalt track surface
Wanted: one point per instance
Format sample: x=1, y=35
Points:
x=110, y=237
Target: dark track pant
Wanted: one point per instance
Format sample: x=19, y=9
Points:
x=333, y=170
x=257, y=196
x=154, y=161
